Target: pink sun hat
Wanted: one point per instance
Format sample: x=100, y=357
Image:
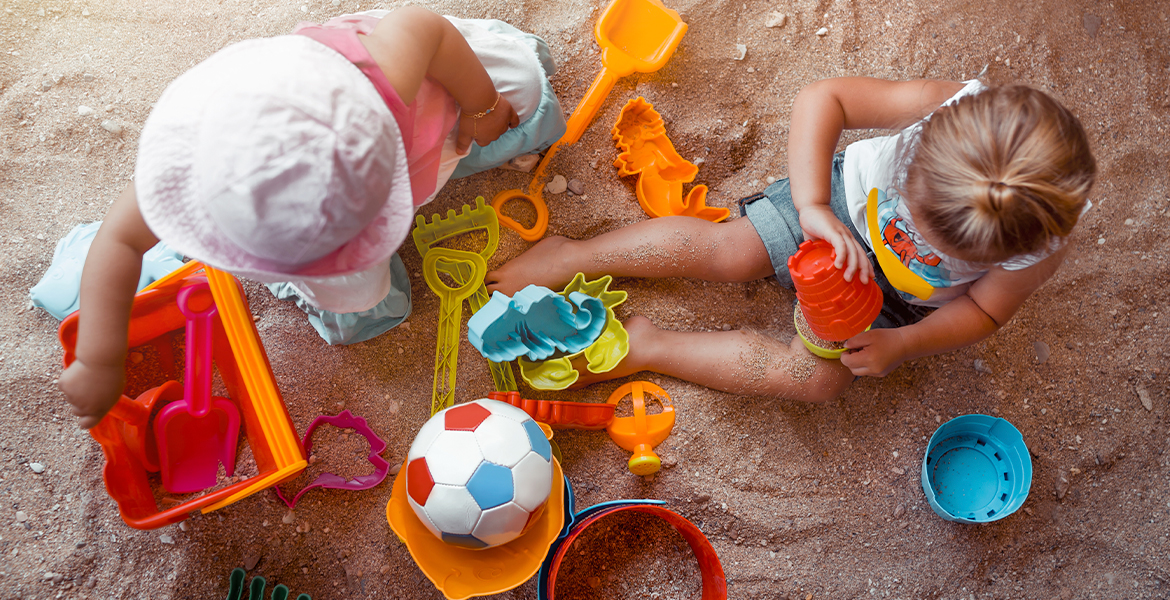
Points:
x=275, y=157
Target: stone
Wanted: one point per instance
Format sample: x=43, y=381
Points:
x=726, y=327
x=1144, y=397
x=21, y=517
x=37, y=468
x=770, y=179
x=85, y=111
x=1042, y=352
x=898, y=470
x=523, y=163
x=394, y=468
x=336, y=2
x=288, y=518
x=250, y=561
x=1092, y=24
x=558, y=185
x=166, y=539
x=1062, y=484
x=112, y=126
x=183, y=526
x=777, y=19
x=135, y=357
x=982, y=367
x=740, y=51
x=822, y=32
x=85, y=12
x=899, y=510
x=594, y=581
x=702, y=498
x=576, y=187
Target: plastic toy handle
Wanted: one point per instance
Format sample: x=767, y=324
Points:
x=197, y=382
x=129, y=411
x=588, y=107
x=528, y=234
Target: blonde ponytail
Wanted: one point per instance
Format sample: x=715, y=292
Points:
x=1000, y=174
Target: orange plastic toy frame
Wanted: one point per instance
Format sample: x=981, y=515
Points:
x=634, y=36
x=640, y=134
x=641, y=432
x=245, y=370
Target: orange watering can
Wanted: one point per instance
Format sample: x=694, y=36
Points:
x=641, y=432
x=634, y=36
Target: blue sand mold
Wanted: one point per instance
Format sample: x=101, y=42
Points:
x=490, y=485
x=976, y=469
x=535, y=323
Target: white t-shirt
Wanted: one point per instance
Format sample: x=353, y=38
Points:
x=872, y=164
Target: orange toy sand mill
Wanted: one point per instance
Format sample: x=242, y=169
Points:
x=640, y=134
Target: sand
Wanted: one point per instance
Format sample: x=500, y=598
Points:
x=800, y=501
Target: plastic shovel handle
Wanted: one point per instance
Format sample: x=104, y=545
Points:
x=587, y=109
x=197, y=382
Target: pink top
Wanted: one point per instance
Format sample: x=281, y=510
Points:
x=424, y=124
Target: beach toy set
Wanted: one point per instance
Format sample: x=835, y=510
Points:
x=635, y=36
x=180, y=430
x=834, y=309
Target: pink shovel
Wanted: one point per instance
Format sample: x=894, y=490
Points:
x=196, y=433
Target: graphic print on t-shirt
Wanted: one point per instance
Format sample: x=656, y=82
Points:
x=900, y=236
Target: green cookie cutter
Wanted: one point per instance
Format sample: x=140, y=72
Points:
x=603, y=355
x=256, y=589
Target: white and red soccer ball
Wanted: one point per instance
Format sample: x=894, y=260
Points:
x=478, y=474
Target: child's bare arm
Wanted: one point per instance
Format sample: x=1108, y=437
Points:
x=412, y=43
x=109, y=280
x=820, y=113
x=988, y=305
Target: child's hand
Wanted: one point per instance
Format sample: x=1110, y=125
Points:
x=487, y=129
x=818, y=222
x=875, y=352
x=92, y=391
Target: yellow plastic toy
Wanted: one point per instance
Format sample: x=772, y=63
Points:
x=634, y=36
x=640, y=134
x=481, y=218
x=899, y=275
x=602, y=355
x=641, y=432
x=461, y=573
x=450, y=314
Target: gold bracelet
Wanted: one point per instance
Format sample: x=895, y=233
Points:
x=480, y=115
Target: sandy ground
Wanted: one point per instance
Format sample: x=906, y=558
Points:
x=800, y=501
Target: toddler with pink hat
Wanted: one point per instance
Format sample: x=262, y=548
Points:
x=299, y=161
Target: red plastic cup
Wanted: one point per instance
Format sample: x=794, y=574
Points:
x=835, y=309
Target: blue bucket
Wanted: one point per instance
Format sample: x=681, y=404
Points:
x=976, y=469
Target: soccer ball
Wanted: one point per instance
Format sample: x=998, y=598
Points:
x=478, y=474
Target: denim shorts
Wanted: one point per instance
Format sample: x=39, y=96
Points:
x=778, y=224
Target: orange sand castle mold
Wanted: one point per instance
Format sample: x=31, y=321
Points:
x=640, y=134
x=835, y=309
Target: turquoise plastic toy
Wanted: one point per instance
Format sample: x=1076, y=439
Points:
x=536, y=323
x=976, y=470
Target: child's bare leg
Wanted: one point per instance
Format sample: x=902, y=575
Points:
x=740, y=362
x=663, y=247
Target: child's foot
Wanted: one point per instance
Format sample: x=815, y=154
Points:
x=546, y=264
x=641, y=332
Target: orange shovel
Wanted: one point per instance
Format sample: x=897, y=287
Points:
x=634, y=35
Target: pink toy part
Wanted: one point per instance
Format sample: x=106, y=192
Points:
x=198, y=432
x=344, y=420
